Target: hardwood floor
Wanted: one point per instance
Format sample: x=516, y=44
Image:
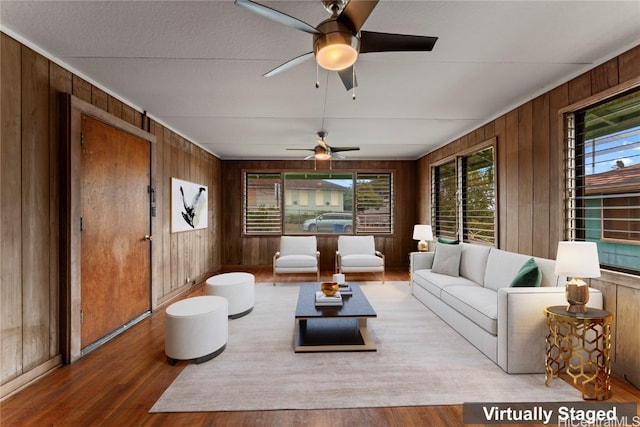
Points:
x=119, y=382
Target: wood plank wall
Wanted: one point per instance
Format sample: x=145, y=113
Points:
x=259, y=250
x=30, y=218
x=530, y=158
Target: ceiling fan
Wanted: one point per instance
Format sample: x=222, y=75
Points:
x=338, y=40
x=323, y=151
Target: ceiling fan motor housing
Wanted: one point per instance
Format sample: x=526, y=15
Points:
x=336, y=47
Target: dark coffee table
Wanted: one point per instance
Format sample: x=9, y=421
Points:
x=343, y=328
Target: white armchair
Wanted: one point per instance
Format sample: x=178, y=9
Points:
x=358, y=254
x=297, y=254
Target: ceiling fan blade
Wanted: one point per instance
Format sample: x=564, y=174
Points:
x=357, y=12
x=289, y=64
x=385, y=42
x=337, y=156
x=338, y=149
x=277, y=16
x=348, y=78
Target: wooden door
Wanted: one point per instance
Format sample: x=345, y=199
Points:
x=115, y=223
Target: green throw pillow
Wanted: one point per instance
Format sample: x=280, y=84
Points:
x=529, y=276
x=448, y=241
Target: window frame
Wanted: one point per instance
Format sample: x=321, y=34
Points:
x=286, y=200
x=580, y=206
x=462, y=219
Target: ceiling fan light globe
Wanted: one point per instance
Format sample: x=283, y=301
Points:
x=336, y=57
x=323, y=156
x=336, y=48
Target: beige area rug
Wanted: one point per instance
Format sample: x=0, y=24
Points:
x=420, y=361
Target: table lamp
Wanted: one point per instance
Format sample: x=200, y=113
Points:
x=577, y=260
x=424, y=234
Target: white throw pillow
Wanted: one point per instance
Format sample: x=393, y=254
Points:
x=446, y=259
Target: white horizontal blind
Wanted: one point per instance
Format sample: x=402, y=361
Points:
x=374, y=203
x=603, y=179
x=262, y=200
x=479, y=197
x=444, y=204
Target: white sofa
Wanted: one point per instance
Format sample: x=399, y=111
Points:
x=505, y=323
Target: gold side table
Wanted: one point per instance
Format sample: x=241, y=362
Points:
x=580, y=344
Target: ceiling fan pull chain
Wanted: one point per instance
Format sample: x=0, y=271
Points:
x=353, y=79
x=317, y=76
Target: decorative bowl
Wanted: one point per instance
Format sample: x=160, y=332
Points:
x=329, y=288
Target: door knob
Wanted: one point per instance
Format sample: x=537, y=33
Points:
x=148, y=237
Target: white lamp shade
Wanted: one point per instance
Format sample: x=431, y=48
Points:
x=422, y=232
x=577, y=259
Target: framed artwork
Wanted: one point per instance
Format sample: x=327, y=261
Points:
x=189, y=204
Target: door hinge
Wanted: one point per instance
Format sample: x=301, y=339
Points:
x=81, y=224
x=81, y=316
x=81, y=138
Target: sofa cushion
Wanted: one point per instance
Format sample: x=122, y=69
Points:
x=476, y=303
x=296, y=261
x=529, y=275
x=502, y=267
x=361, y=261
x=446, y=259
x=356, y=245
x=473, y=262
x=435, y=283
x=298, y=245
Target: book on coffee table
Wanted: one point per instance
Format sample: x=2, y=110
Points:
x=345, y=290
x=323, y=300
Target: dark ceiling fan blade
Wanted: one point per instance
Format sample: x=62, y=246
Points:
x=289, y=64
x=357, y=12
x=338, y=149
x=348, y=78
x=277, y=16
x=385, y=42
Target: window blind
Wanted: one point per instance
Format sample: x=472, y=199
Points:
x=603, y=179
x=374, y=203
x=263, y=213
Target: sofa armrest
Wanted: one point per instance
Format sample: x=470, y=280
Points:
x=522, y=327
x=420, y=261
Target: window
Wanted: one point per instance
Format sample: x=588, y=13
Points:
x=374, y=200
x=318, y=202
x=603, y=179
x=262, y=213
x=444, y=203
x=464, y=197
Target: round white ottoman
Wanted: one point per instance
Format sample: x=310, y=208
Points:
x=237, y=288
x=196, y=328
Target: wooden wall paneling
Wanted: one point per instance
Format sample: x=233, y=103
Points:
x=35, y=208
x=128, y=114
x=510, y=195
x=629, y=64
x=60, y=82
x=604, y=76
x=627, y=336
x=580, y=88
x=99, y=98
x=164, y=188
x=11, y=326
x=541, y=167
x=176, y=269
x=525, y=179
x=114, y=106
x=558, y=98
x=81, y=89
x=501, y=174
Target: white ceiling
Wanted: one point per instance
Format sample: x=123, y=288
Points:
x=196, y=67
